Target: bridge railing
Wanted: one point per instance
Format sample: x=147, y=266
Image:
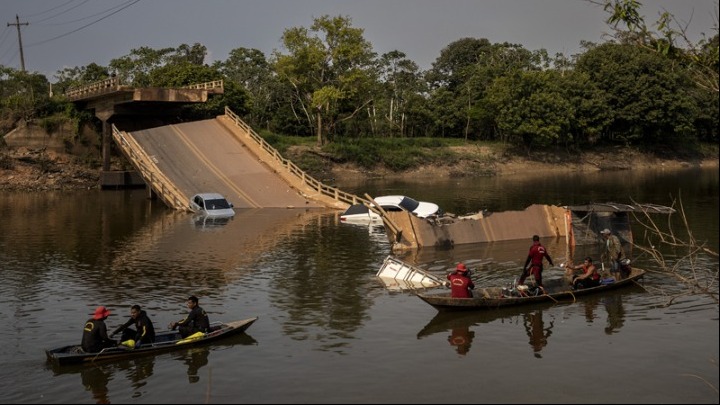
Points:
x=99, y=87
x=113, y=84
x=306, y=179
x=149, y=171
x=215, y=84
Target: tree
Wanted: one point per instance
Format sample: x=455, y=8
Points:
x=670, y=39
x=250, y=70
x=79, y=76
x=459, y=79
x=401, y=80
x=330, y=70
x=648, y=99
x=22, y=94
x=531, y=108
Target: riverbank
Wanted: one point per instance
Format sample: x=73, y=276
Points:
x=476, y=161
x=38, y=170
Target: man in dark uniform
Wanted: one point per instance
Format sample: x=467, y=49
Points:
x=144, y=331
x=535, y=260
x=95, y=337
x=196, y=321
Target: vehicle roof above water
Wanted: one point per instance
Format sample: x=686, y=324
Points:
x=401, y=200
x=209, y=196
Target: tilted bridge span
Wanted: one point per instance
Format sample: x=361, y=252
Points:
x=226, y=156
x=222, y=155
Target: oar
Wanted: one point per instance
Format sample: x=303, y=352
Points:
x=99, y=353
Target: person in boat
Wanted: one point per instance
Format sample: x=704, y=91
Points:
x=613, y=252
x=534, y=262
x=590, y=276
x=461, y=285
x=95, y=337
x=196, y=321
x=143, y=333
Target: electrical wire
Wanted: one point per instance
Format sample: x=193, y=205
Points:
x=49, y=10
x=61, y=13
x=132, y=2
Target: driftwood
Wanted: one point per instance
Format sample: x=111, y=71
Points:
x=696, y=279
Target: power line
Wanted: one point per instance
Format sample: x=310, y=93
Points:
x=62, y=12
x=49, y=10
x=82, y=18
x=84, y=26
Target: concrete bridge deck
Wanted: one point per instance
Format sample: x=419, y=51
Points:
x=223, y=155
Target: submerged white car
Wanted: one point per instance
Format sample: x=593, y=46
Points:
x=211, y=204
x=359, y=213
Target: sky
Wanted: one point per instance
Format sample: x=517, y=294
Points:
x=72, y=33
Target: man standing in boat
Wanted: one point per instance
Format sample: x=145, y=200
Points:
x=535, y=262
x=613, y=252
x=196, y=321
x=461, y=285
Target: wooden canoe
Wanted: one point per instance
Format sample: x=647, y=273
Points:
x=164, y=342
x=495, y=297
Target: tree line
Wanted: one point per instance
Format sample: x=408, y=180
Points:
x=640, y=87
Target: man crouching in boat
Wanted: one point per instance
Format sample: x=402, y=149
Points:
x=196, y=321
x=590, y=276
x=461, y=285
x=143, y=333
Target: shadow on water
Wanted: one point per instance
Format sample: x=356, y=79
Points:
x=462, y=326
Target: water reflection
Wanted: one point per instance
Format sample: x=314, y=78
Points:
x=615, y=310
x=195, y=359
x=461, y=338
x=137, y=371
x=95, y=379
x=534, y=319
x=536, y=331
x=323, y=300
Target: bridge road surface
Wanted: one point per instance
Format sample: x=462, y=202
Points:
x=204, y=156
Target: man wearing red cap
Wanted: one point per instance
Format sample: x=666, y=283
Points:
x=95, y=337
x=461, y=285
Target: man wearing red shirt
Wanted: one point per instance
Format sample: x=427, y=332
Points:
x=535, y=260
x=461, y=285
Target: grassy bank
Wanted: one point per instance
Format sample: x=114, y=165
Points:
x=456, y=157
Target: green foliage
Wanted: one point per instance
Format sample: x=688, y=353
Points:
x=283, y=143
x=52, y=124
x=393, y=153
x=329, y=69
x=327, y=85
x=648, y=99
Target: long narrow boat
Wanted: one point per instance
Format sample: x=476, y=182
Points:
x=495, y=297
x=164, y=342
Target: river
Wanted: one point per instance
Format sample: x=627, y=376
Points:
x=328, y=330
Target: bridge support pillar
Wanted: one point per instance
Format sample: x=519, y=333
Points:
x=106, y=138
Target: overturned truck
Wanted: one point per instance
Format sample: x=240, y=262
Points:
x=579, y=224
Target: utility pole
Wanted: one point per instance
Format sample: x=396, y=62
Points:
x=18, y=24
